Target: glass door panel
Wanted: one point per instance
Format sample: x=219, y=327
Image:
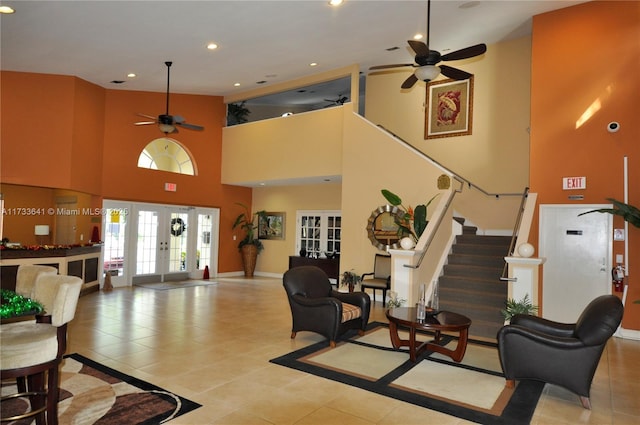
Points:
x=177, y=242
x=114, y=239
x=148, y=249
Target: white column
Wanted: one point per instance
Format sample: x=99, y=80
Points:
x=401, y=276
x=523, y=277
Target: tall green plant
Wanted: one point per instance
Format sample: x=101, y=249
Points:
x=249, y=223
x=629, y=213
x=414, y=220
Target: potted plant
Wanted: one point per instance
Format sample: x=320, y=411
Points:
x=250, y=246
x=350, y=279
x=513, y=307
x=414, y=220
x=629, y=213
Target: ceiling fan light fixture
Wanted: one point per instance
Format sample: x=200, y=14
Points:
x=166, y=128
x=427, y=72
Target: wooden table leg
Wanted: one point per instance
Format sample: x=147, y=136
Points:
x=461, y=348
x=395, y=338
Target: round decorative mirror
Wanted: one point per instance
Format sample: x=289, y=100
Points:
x=382, y=228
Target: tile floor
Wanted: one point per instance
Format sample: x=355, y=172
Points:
x=212, y=344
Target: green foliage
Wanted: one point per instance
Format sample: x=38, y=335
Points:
x=629, y=213
x=414, y=221
x=237, y=113
x=13, y=305
x=513, y=307
x=349, y=278
x=247, y=222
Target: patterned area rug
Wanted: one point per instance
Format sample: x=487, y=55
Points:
x=95, y=394
x=163, y=286
x=473, y=389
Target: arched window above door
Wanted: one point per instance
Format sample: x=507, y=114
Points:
x=167, y=155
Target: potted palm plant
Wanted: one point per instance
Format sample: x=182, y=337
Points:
x=249, y=246
x=350, y=279
x=513, y=307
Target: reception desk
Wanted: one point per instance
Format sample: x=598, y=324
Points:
x=331, y=266
x=81, y=261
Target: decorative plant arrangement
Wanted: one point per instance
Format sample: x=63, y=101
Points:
x=394, y=301
x=629, y=213
x=350, y=279
x=513, y=307
x=250, y=246
x=414, y=220
x=16, y=305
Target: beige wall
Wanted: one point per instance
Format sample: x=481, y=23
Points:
x=274, y=259
x=499, y=144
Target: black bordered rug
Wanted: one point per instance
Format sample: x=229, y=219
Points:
x=473, y=390
x=92, y=393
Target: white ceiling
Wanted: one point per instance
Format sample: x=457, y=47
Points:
x=272, y=41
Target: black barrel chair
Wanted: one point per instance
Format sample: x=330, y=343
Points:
x=317, y=307
x=562, y=354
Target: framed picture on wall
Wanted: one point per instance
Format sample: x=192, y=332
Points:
x=449, y=108
x=271, y=226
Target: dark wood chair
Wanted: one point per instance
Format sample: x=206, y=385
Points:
x=379, y=278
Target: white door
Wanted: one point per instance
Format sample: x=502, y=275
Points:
x=578, y=258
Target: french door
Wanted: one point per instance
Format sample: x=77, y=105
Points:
x=155, y=243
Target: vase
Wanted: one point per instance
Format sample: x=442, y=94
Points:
x=303, y=252
x=249, y=256
x=407, y=243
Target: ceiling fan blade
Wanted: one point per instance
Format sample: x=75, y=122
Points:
x=190, y=126
x=144, y=123
x=455, y=73
x=146, y=116
x=395, y=65
x=409, y=82
x=466, y=53
x=419, y=47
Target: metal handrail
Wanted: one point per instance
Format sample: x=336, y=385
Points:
x=516, y=229
x=462, y=181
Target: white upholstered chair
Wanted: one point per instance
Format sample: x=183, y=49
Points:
x=27, y=275
x=33, y=350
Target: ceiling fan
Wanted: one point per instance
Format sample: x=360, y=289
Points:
x=337, y=102
x=168, y=123
x=426, y=60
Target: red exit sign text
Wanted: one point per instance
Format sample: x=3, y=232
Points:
x=573, y=183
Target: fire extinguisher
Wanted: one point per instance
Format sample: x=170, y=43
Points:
x=617, y=273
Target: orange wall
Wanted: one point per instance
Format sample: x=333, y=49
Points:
x=588, y=56
x=63, y=132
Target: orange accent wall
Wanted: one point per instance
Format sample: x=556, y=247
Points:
x=584, y=58
x=63, y=132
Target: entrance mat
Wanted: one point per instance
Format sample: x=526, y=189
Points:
x=473, y=389
x=163, y=286
x=91, y=393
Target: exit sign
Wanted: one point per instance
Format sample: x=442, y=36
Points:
x=573, y=183
x=170, y=187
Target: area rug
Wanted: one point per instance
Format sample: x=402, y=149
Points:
x=92, y=393
x=163, y=286
x=473, y=389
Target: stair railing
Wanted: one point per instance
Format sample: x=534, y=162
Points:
x=463, y=181
x=516, y=230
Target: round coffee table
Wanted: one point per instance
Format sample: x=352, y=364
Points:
x=406, y=317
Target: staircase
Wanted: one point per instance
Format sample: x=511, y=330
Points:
x=471, y=282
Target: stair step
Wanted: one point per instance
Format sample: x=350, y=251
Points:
x=477, y=249
x=460, y=283
x=476, y=260
x=484, y=240
x=463, y=270
x=474, y=298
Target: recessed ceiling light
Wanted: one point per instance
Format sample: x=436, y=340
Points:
x=236, y=84
x=6, y=10
x=131, y=75
x=212, y=46
x=335, y=2
x=418, y=37
x=313, y=64
x=287, y=114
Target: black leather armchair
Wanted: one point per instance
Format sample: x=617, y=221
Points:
x=559, y=353
x=317, y=307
